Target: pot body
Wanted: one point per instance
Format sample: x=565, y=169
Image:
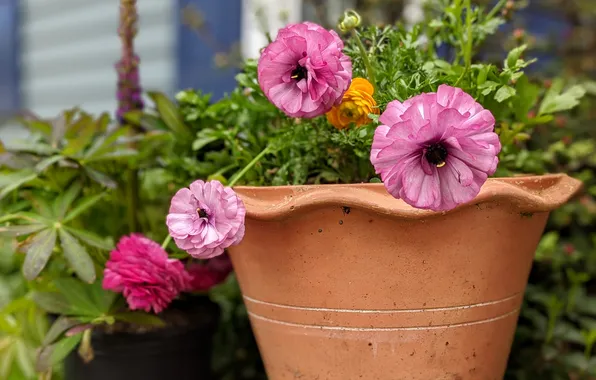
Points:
x=181, y=352
x=344, y=282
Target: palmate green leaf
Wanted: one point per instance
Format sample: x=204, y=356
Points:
x=83, y=206
x=64, y=201
x=16, y=179
x=84, y=129
x=77, y=257
x=53, y=354
x=21, y=230
x=103, y=143
x=47, y=162
x=91, y=239
x=170, y=115
x=51, y=302
x=557, y=100
x=101, y=178
x=39, y=250
x=102, y=299
x=79, y=296
x=59, y=327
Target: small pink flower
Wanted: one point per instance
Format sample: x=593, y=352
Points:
x=205, y=276
x=206, y=218
x=141, y=270
x=304, y=71
x=435, y=150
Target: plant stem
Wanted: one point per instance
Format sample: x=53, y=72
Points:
x=132, y=197
x=166, y=241
x=496, y=8
x=369, y=69
x=241, y=174
x=469, y=43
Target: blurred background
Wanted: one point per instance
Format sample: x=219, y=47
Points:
x=56, y=54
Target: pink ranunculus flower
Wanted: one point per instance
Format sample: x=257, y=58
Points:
x=206, y=218
x=207, y=275
x=141, y=270
x=304, y=71
x=436, y=150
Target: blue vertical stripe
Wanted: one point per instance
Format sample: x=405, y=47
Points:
x=9, y=57
x=196, y=51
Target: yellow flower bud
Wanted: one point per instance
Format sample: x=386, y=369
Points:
x=350, y=20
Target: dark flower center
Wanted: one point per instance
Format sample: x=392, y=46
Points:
x=299, y=73
x=202, y=213
x=436, y=155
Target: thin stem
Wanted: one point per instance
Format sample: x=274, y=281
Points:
x=469, y=43
x=132, y=197
x=166, y=241
x=241, y=174
x=369, y=69
x=496, y=9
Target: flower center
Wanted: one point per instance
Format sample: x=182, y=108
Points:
x=202, y=213
x=299, y=73
x=436, y=155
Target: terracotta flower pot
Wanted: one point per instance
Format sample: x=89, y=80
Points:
x=345, y=282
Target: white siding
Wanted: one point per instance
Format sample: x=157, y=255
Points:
x=69, y=47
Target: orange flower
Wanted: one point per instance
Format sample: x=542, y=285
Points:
x=355, y=106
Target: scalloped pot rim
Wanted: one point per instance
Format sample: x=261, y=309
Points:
x=527, y=194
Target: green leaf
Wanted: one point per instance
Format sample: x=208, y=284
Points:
x=100, y=178
x=514, y=56
x=504, y=93
x=59, y=327
x=91, y=239
x=24, y=359
x=83, y=206
x=39, y=250
x=41, y=149
x=200, y=143
x=64, y=201
x=48, y=356
x=21, y=230
x=104, y=143
x=7, y=356
x=47, y=162
x=85, y=129
x=103, y=299
x=78, y=296
x=77, y=257
x=16, y=180
x=113, y=155
x=527, y=95
x=556, y=100
x=170, y=115
x=139, y=318
x=51, y=302
x=2, y=149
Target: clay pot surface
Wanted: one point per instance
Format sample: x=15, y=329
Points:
x=344, y=282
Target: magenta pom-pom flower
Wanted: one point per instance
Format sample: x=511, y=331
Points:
x=304, y=71
x=141, y=270
x=206, y=218
x=435, y=150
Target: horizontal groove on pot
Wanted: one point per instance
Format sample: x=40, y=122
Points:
x=524, y=194
x=401, y=319
x=512, y=313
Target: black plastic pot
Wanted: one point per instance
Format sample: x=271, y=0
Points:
x=171, y=353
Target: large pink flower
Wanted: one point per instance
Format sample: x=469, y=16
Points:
x=304, y=71
x=435, y=150
x=206, y=218
x=141, y=270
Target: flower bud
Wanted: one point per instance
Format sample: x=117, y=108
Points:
x=349, y=21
